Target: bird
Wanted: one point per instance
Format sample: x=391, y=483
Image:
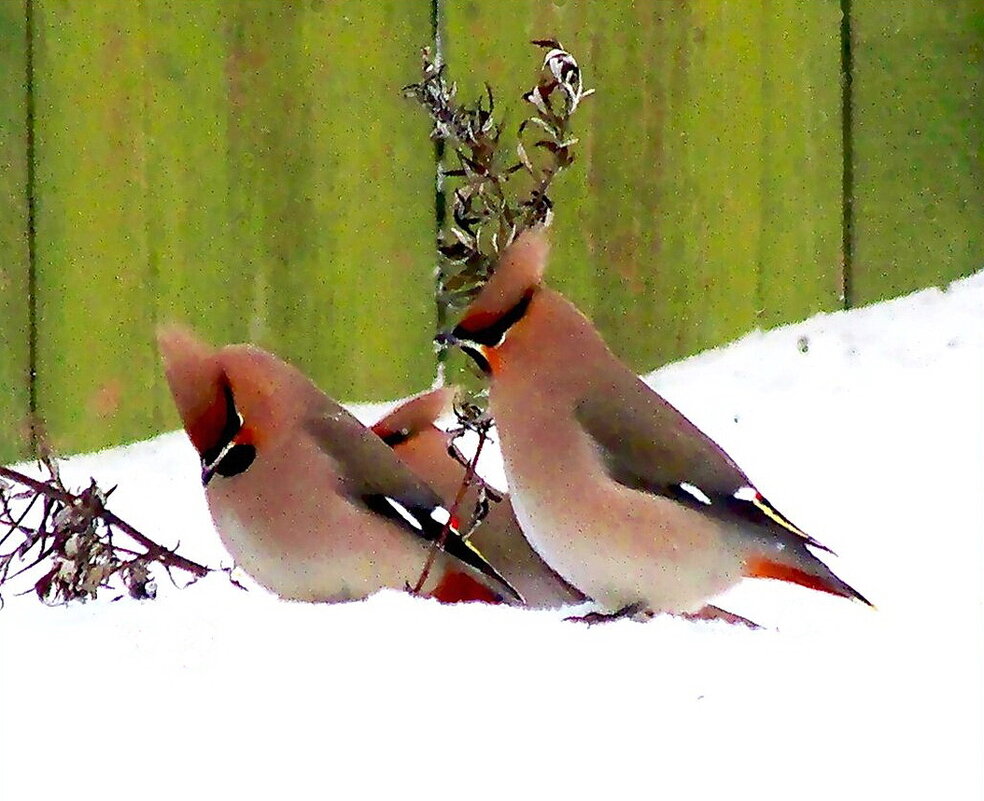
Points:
x=616, y=490
x=308, y=501
x=410, y=430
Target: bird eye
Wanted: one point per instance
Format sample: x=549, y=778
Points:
x=237, y=460
x=494, y=334
x=395, y=438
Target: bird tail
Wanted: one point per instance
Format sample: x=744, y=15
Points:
x=456, y=586
x=798, y=566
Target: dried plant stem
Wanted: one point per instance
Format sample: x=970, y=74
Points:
x=496, y=191
x=471, y=475
x=157, y=552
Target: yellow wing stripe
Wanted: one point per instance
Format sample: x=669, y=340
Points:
x=773, y=515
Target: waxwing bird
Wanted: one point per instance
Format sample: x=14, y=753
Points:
x=618, y=492
x=306, y=499
x=426, y=449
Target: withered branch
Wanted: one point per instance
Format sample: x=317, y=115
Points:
x=70, y=538
x=471, y=418
x=496, y=192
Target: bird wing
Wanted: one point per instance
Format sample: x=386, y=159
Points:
x=647, y=445
x=374, y=477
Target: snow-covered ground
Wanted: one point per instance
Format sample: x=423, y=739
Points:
x=872, y=440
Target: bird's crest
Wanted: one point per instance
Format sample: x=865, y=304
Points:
x=198, y=384
x=504, y=297
x=414, y=415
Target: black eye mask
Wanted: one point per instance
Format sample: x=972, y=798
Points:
x=492, y=335
x=394, y=438
x=229, y=429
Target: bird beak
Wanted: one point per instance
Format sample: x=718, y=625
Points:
x=447, y=339
x=477, y=351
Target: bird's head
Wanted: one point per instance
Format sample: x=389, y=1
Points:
x=503, y=301
x=232, y=400
x=414, y=417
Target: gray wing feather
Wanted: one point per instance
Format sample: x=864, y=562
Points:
x=648, y=445
x=370, y=473
x=366, y=463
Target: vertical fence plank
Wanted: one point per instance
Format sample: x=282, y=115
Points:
x=490, y=42
x=705, y=201
x=800, y=264
x=331, y=185
x=95, y=302
x=629, y=262
x=14, y=266
x=918, y=138
x=722, y=136
x=250, y=169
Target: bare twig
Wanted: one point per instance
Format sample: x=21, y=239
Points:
x=471, y=476
x=473, y=417
x=73, y=543
x=495, y=195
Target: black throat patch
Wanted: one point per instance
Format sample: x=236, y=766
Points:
x=221, y=459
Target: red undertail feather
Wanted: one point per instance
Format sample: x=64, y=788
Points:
x=766, y=568
x=458, y=587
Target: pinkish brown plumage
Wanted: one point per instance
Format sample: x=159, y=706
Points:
x=411, y=431
x=619, y=492
x=305, y=499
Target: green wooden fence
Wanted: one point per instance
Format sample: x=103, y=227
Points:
x=252, y=169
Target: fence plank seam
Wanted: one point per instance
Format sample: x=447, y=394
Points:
x=847, y=156
x=31, y=197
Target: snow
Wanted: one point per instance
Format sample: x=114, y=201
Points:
x=872, y=440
